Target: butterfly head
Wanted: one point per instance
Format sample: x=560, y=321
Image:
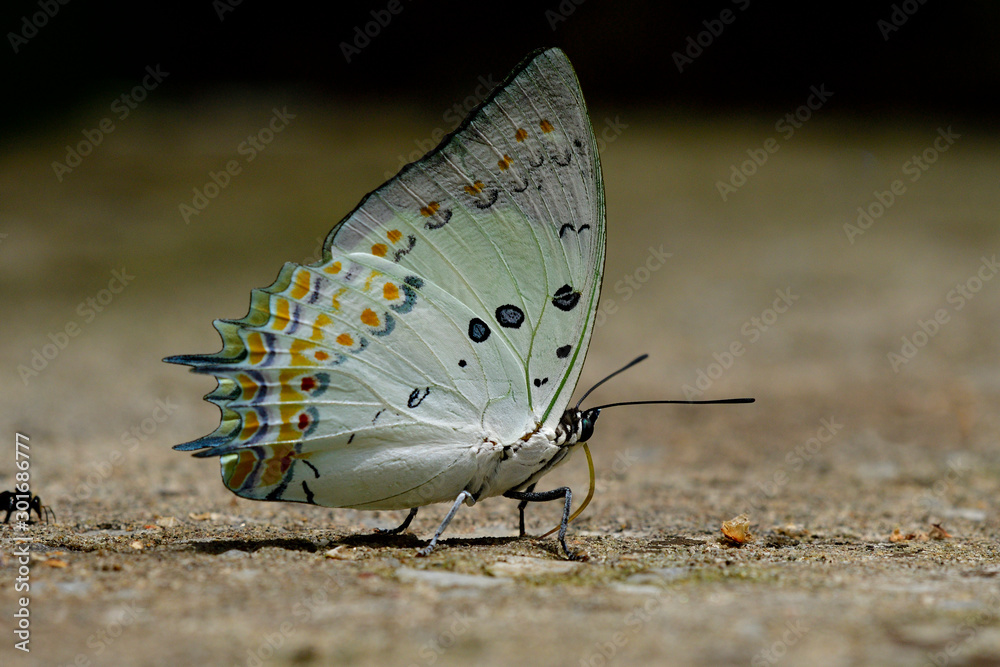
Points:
x=587, y=420
x=577, y=426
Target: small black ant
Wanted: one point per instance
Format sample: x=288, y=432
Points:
x=8, y=501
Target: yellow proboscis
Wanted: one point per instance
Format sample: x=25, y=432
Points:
x=590, y=492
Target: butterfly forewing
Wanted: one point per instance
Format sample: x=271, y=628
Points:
x=453, y=307
x=509, y=219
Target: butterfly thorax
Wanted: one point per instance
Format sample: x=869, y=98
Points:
x=576, y=426
x=537, y=452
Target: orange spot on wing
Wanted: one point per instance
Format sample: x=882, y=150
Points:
x=277, y=465
x=301, y=285
x=370, y=278
x=248, y=387
x=475, y=188
x=317, y=328
x=546, y=126
x=521, y=134
x=288, y=386
x=299, y=349
x=287, y=432
x=333, y=268
x=430, y=209
x=345, y=339
x=390, y=292
x=321, y=355
x=379, y=249
x=281, y=318
x=369, y=317
x=394, y=236
x=236, y=470
x=505, y=162
x=250, y=425
x=256, y=348
x=336, y=299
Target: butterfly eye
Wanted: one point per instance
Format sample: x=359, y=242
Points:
x=587, y=422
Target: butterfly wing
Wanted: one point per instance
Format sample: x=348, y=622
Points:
x=509, y=217
x=450, y=315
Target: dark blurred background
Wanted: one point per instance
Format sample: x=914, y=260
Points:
x=879, y=58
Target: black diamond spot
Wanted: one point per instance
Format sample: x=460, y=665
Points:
x=563, y=352
x=461, y=363
x=565, y=298
x=478, y=330
x=510, y=317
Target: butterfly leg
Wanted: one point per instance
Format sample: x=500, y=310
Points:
x=401, y=527
x=444, y=524
x=554, y=494
x=520, y=510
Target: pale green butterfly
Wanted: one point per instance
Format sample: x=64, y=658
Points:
x=431, y=354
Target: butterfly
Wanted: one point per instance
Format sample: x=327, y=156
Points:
x=431, y=354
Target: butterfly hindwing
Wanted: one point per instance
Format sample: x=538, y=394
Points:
x=450, y=315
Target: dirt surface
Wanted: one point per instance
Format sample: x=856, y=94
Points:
x=152, y=561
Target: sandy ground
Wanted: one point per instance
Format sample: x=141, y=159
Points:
x=152, y=561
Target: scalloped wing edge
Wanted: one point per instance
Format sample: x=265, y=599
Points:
x=233, y=351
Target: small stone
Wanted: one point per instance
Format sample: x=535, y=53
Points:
x=341, y=553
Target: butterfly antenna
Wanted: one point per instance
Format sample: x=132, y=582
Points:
x=632, y=363
x=624, y=368
x=717, y=401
